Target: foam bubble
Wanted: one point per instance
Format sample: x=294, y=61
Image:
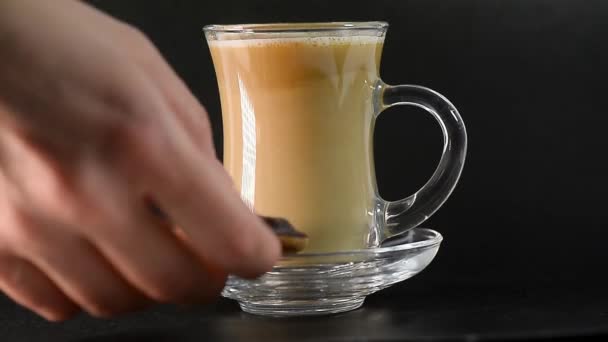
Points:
x=261, y=41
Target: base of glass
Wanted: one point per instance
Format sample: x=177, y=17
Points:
x=329, y=283
x=302, y=307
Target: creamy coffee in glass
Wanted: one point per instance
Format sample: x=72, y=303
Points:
x=298, y=106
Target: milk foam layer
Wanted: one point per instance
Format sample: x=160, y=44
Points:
x=281, y=41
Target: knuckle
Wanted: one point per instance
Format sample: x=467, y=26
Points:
x=54, y=192
x=120, y=96
x=137, y=36
x=126, y=96
x=129, y=144
x=19, y=230
x=115, y=136
x=52, y=188
x=42, y=184
x=139, y=43
x=123, y=147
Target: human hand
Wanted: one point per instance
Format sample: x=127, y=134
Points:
x=95, y=126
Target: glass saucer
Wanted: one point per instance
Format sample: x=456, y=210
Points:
x=327, y=283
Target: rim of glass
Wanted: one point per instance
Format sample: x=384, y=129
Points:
x=433, y=238
x=297, y=27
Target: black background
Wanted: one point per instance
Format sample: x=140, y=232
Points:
x=528, y=77
x=528, y=218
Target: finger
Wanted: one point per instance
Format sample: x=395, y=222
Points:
x=79, y=270
x=28, y=286
x=192, y=189
x=156, y=263
x=147, y=253
x=215, y=273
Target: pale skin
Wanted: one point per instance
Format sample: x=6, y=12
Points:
x=95, y=127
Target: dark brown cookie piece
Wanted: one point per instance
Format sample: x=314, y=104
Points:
x=292, y=240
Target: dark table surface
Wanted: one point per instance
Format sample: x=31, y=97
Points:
x=432, y=306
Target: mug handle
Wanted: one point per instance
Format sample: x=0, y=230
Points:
x=402, y=215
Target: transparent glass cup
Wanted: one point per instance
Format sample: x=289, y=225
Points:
x=299, y=103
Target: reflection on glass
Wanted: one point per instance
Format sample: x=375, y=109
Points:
x=249, y=146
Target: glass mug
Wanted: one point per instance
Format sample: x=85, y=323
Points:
x=299, y=102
